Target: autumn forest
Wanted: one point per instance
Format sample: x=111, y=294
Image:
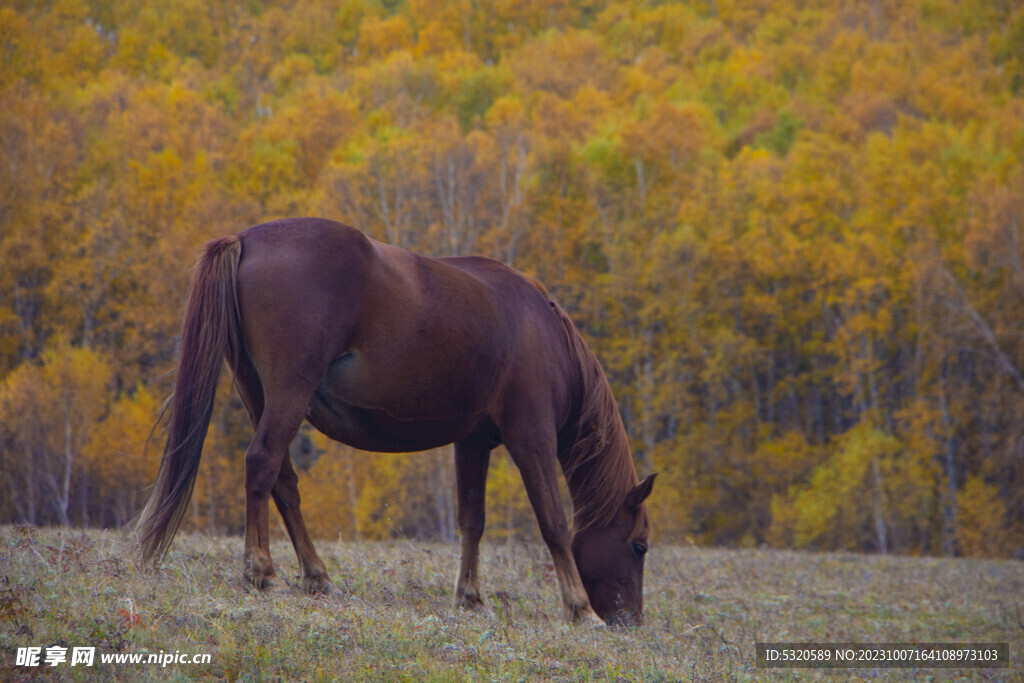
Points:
x=790, y=231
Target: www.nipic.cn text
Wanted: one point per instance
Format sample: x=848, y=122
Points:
x=86, y=656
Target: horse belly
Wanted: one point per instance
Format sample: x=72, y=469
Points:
x=373, y=429
x=362, y=412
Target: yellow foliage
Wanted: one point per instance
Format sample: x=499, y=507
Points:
x=329, y=492
x=789, y=233
x=49, y=415
x=508, y=512
x=982, y=526
x=380, y=37
x=121, y=457
x=835, y=492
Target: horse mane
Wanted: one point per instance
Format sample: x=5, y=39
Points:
x=598, y=465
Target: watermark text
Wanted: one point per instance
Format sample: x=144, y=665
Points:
x=883, y=655
x=56, y=655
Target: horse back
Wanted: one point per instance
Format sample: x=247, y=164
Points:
x=391, y=339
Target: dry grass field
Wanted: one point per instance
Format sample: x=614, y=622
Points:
x=391, y=617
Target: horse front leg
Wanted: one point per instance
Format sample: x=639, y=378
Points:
x=471, y=463
x=286, y=497
x=534, y=452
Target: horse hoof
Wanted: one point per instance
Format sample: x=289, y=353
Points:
x=469, y=601
x=586, y=617
x=316, y=585
x=265, y=585
x=274, y=585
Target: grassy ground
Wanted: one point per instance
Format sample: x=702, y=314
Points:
x=391, y=618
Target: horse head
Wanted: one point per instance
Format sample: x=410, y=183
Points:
x=610, y=559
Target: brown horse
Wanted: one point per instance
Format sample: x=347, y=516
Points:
x=389, y=351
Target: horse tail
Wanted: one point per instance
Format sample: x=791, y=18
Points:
x=210, y=334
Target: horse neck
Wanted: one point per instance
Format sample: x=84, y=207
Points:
x=597, y=464
x=598, y=467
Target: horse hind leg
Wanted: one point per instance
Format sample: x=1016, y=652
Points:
x=471, y=463
x=286, y=497
x=264, y=460
x=286, y=490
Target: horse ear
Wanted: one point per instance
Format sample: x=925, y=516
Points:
x=639, y=493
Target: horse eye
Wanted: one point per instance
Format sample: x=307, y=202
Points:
x=639, y=549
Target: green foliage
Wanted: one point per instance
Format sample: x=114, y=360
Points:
x=790, y=234
x=478, y=92
x=780, y=138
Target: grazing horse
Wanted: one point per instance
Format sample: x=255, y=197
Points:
x=385, y=350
